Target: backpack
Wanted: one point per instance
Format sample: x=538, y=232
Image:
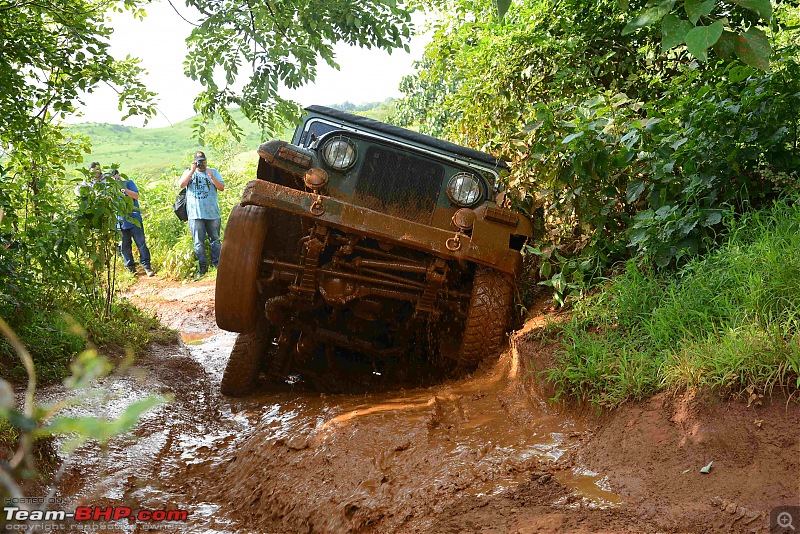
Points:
x=179, y=207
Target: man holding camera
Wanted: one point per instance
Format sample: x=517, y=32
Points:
x=202, y=184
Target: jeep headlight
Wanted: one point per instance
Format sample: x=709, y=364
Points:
x=464, y=189
x=339, y=153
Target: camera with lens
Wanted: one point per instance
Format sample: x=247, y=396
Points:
x=201, y=165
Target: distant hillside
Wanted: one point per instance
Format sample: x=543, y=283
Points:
x=154, y=150
x=382, y=111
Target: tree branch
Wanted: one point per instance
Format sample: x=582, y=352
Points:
x=181, y=16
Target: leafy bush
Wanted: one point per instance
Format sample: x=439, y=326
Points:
x=728, y=320
x=618, y=149
x=58, y=258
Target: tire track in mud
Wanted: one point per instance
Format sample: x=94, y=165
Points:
x=484, y=453
x=294, y=461
x=395, y=462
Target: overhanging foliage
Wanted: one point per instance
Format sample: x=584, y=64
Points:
x=619, y=148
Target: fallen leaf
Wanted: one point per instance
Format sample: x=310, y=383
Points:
x=707, y=468
x=758, y=422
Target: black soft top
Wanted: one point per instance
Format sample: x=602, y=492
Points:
x=396, y=131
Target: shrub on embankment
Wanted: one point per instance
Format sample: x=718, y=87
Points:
x=59, y=267
x=728, y=320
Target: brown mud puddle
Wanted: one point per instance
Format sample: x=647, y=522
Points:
x=483, y=453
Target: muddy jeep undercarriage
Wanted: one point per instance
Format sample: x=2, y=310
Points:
x=314, y=267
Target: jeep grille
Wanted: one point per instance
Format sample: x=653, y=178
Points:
x=399, y=184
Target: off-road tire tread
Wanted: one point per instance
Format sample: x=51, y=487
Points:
x=244, y=365
x=237, y=301
x=488, y=316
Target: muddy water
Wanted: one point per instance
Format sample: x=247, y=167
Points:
x=289, y=460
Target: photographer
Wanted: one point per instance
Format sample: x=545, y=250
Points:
x=202, y=184
x=131, y=231
x=103, y=188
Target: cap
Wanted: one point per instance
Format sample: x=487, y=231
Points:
x=199, y=156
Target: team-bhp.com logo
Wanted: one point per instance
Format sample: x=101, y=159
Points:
x=94, y=513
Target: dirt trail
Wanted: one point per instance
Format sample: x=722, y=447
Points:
x=483, y=453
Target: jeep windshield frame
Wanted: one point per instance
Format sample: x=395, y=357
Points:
x=489, y=166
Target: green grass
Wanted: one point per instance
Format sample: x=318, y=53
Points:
x=152, y=151
x=53, y=340
x=728, y=321
x=8, y=435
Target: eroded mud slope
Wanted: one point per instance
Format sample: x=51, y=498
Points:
x=483, y=453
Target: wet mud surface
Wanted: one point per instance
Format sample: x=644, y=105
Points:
x=481, y=453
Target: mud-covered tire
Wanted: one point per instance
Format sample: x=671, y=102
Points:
x=488, y=316
x=237, y=302
x=244, y=364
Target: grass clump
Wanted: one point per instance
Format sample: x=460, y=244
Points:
x=54, y=339
x=727, y=320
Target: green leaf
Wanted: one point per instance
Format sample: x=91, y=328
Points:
x=673, y=31
x=650, y=16
x=502, y=7
x=707, y=469
x=664, y=256
x=545, y=269
x=712, y=217
x=635, y=190
x=701, y=38
x=753, y=48
x=740, y=73
x=725, y=47
x=571, y=137
x=762, y=7
x=636, y=236
x=697, y=8
x=665, y=211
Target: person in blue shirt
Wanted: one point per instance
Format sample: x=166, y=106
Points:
x=132, y=229
x=202, y=206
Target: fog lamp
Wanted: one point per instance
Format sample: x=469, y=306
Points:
x=464, y=219
x=315, y=178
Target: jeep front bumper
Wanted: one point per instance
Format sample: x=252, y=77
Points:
x=489, y=244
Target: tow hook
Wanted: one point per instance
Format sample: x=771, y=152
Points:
x=317, y=207
x=454, y=243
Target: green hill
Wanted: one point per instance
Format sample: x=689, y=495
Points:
x=154, y=150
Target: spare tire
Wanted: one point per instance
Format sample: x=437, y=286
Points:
x=237, y=300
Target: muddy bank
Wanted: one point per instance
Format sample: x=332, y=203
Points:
x=652, y=453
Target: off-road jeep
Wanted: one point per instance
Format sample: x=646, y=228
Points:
x=360, y=237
